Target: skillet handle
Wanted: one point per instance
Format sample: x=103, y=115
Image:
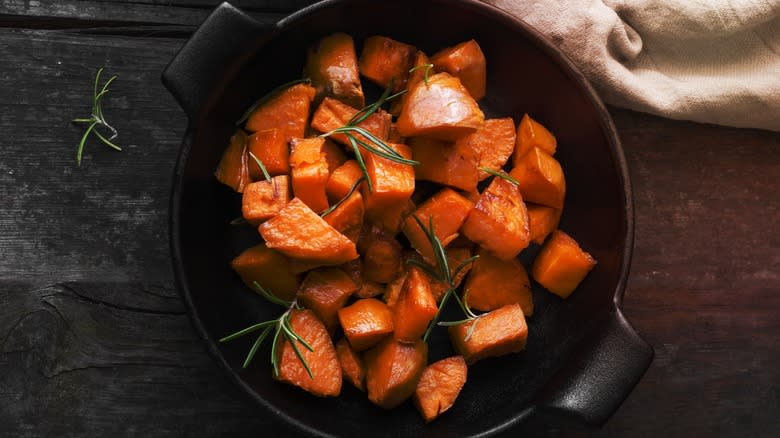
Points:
x=608, y=366
x=225, y=38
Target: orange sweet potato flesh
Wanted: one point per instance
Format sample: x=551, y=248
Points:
x=454, y=165
x=263, y=200
x=352, y=366
x=347, y=218
x=532, y=134
x=341, y=180
x=333, y=114
x=385, y=60
x=441, y=109
x=324, y=291
x=542, y=221
x=561, y=264
x=271, y=148
x=418, y=75
x=366, y=322
x=455, y=256
x=334, y=155
x=323, y=361
x=393, y=290
x=391, y=217
x=467, y=62
x=287, y=111
x=541, y=178
x=333, y=68
x=309, y=172
x=233, y=170
x=370, y=289
x=448, y=210
x=439, y=386
x=381, y=254
x=415, y=308
x=393, y=183
x=299, y=232
x=268, y=268
x=497, y=333
x=492, y=144
x=499, y=220
x=494, y=283
x=393, y=370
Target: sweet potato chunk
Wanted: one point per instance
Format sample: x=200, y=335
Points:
x=370, y=289
x=532, y=134
x=467, y=62
x=270, y=147
x=333, y=68
x=561, y=264
x=324, y=291
x=262, y=200
x=499, y=220
x=441, y=109
x=268, y=268
x=332, y=114
x=299, y=232
x=366, y=322
x=492, y=144
x=420, y=62
x=309, y=172
x=393, y=290
x=381, y=254
x=448, y=210
x=542, y=221
x=384, y=60
x=287, y=111
x=497, y=333
x=352, y=366
x=415, y=308
x=393, y=183
x=233, y=169
x=494, y=283
x=347, y=218
x=342, y=179
x=324, y=363
x=334, y=155
x=439, y=386
x=455, y=256
x=391, y=217
x=393, y=370
x=541, y=179
x=445, y=163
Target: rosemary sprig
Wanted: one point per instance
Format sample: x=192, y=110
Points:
x=97, y=119
x=260, y=164
x=500, y=174
x=427, y=67
x=341, y=201
x=269, y=95
x=281, y=327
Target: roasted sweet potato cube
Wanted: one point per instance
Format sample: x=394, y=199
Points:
x=494, y=283
x=263, y=200
x=392, y=182
x=561, y=264
x=497, y=333
x=445, y=163
x=391, y=217
x=415, y=308
x=499, y=220
x=417, y=74
x=233, y=169
x=385, y=60
x=542, y=221
x=393, y=289
x=393, y=369
x=532, y=134
x=342, y=179
x=323, y=362
x=333, y=68
x=541, y=179
x=352, y=366
x=347, y=217
x=309, y=172
x=334, y=155
x=467, y=62
x=287, y=111
x=441, y=109
x=448, y=210
x=370, y=289
x=455, y=257
x=365, y=322
x=299, y=232
x=269, y=269
x=332, y=114
x=324, y=291
x=395, y=136
x=271, y=149
x=381, y=254
x=492, y=144
x=439, y=386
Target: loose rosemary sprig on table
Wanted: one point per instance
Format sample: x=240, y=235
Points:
x=280, y=326
x=97, y=119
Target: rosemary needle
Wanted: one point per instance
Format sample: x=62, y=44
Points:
x=500, y=174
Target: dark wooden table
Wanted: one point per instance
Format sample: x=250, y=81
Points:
x=95, y=340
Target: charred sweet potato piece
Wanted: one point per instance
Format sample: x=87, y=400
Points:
x=332, y=114
x=445, y=163
x=287, y=111
x=365, y=322
x=352, y=366
x=323, y=362
x=384, y=60
x=499, y=220
x=271, y=148
x=467, y=62
x=233, y=169
x=299, y=232
x=541, y=178
x=441, y=109
x=542, y=221
x=392, y=182
x=381, y=254
x=448, y=210
x=492, y=144
x=334, y=155
x=415, y=308
x=561, y=264
x=439, y=386
x=333, y=68
x=347, y=218
x=497, y=333
x=324, y=291
x=532, y=134
x=494, y=283
x=268, y=268
x=417, y=74
x=262, y=200
x=342, y=179
x=309, y=172
x=393, y=369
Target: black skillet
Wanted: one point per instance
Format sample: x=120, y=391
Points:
x=582, y=359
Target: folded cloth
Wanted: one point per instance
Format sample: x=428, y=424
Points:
x=713, y=61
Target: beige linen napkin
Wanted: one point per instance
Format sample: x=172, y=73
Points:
x=713, y=61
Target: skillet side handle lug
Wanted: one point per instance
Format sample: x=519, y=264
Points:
x=590, y=388
x=227, y=37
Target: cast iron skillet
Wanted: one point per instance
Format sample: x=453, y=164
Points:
x=582, y=358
